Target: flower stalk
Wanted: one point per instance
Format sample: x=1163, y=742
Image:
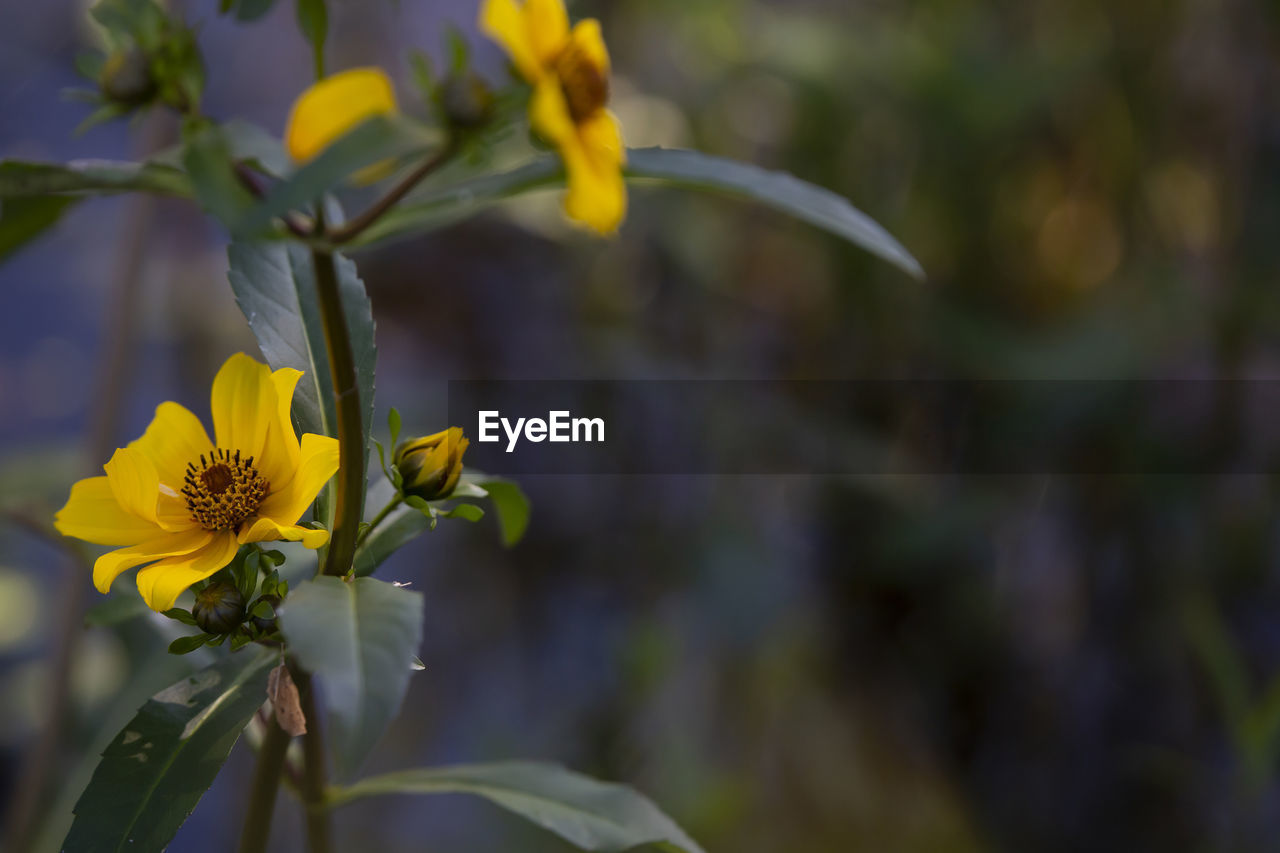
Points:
x=262, y=793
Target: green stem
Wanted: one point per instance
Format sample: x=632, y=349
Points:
x=356, y=225
x=379, y=518
x=262, y=794
x=314, y=781
x=346, y=393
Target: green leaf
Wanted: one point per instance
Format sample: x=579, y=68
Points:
x=19, y=178
x=393, y=426
x=313, y=20
x=510, y=503
x=207, y=158
x=590, y=814
x=179, y=615
x=467, y=512
x=680, y=168
x=24, y=219
x=187, y=645
x=157, y=768
x=249, y=10
x=378, y=139
x=274, y=285
x=356, y=637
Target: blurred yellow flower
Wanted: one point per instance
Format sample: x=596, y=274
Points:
x=333, y=107
x=185, y=504
x=569, y=71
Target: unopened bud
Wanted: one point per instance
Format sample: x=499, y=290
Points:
x=219, y=608
x=431, y=465
x=126, y=77
x=466, y=100
x=263, y=624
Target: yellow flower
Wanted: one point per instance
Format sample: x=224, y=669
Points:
x=569, y=70
x=185, y=504
x=431, y=465
x=333, y=107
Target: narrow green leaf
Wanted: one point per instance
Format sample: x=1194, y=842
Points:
x=24, y=219
x=252, y=10
x=187, y=645
x=179, y=615
x=19, y=178
x=356, y=637
x=467, y=512
x=378, y=139
x=207, y=158
x=592, y=815
x=393, y=425
x=274, y=285
x=681, y=168
x=159, y=766
x=511, y=505
x=313, y=20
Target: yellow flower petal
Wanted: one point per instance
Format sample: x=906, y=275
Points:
x=93, y=514
x=266, y=530
x=280, y=453
x=547, y=24
x=597, y=195
x=503, y=21
x=333, y=107
x=549, y=113
x=243, y=403
x=174, y=438
x=134, y=482
x=162, y=583
x=586, y=37
x=318, y=462
x=111, y=564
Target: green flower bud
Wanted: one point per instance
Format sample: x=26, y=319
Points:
x=431, y=465
x=126, y=77
x=219, y=608
x=466, y=100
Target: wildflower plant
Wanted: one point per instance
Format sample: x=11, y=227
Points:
x=199, y=514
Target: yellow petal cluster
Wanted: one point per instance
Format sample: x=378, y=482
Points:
x=181, y=504
x=569, y=72
x=333, y=107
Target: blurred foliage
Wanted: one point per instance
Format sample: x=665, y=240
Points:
x=883, y=664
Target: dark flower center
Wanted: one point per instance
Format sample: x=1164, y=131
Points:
x=585, y=86
x=224, y=490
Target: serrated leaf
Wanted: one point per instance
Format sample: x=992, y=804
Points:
x=274, y=286
x=20, y=178
x=592, y=815
x=356, y=638
x=156, y=770
x=675, y=167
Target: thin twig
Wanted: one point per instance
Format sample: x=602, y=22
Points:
x=353, y=227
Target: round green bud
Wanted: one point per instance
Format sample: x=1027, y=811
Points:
x=219, y=608
x=126, y=77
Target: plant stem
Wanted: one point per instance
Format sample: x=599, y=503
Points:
x=262, y=794
x=379, y=518
x=314, y=780
x=346, y=393
x=353, y=227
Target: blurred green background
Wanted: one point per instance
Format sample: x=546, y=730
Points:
x=808, y=664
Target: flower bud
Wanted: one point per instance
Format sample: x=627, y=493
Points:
x=431, y=465
x=466, y=100
x=126, y=77
x=219, y=608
